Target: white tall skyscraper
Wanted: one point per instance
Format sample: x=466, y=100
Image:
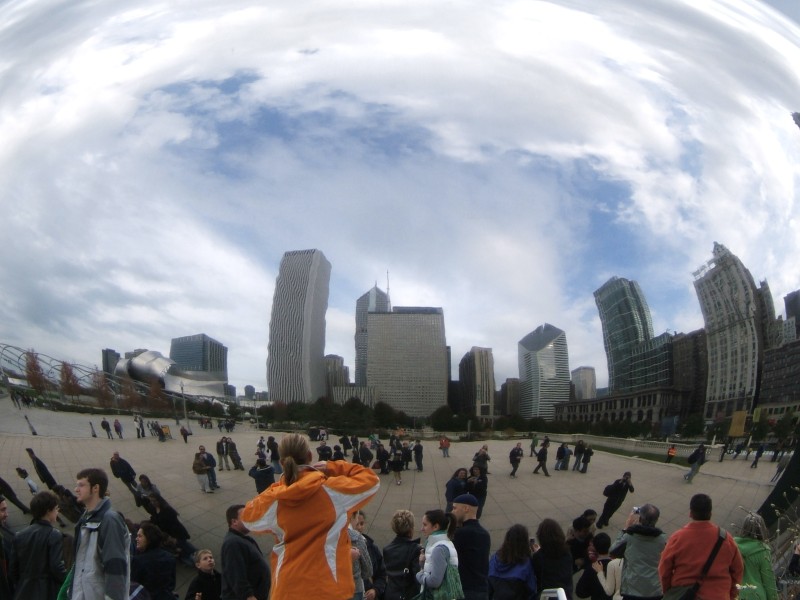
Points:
x=407, y=359
x=374, y=300
x=295, y=359
x=543, y=372
x=734, y=324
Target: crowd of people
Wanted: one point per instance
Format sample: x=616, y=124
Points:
x=315, y=510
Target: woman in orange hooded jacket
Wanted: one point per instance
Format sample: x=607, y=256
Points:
x=307, y=512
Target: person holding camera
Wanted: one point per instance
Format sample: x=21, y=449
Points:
x=615, y=494
x=643, y=543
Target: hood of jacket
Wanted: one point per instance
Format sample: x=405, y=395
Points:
x=498, y=568
x=307, y=484
x=751, y=547
x=645, y=530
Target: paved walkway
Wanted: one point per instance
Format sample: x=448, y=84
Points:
x=65, y=445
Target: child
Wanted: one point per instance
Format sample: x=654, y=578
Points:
x=207, y=585
x=397, y=464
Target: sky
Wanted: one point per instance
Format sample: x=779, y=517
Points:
x=500, y=160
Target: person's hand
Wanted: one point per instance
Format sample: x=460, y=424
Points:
x=369, y=594
x=632, y=519
x=797, y=549
x=198, y=596
x=354, y=554
x=422, y=557
x=597, y=566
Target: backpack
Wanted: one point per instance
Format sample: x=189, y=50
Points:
x=608, y=490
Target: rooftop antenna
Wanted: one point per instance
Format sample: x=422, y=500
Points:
x=387, y=290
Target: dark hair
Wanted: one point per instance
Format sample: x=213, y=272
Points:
x=95, y=477
x=22, y=472
x=233, y=513
x=589, y=512
x=154, y=536
x=42, y=503
x=2, y=498
x=145, y=481
x=444, y=521
x=602, y=543
x=552, y=539
x=458, y=470
x=516, y=548
x=580, y=523
x=700, y=507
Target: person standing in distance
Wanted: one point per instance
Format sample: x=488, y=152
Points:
x=515, y=457
x=102, y=543
x=245, y=573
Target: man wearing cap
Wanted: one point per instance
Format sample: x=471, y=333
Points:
x=473, y=544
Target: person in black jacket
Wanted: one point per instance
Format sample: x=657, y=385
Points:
x=208, y=582
x=122, y=470
x=551, y=559
x=617, y=491
x=41, y=470
x=401, y=558
x=375, y=586
x=365, y=455
x=166, y=519
x=37, y=561
x=473, y=545
x=541, y=457
x=153, y=567
x=589, y=585
x=245, y=573
x=263, y=474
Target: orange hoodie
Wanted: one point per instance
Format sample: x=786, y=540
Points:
x=309, y=521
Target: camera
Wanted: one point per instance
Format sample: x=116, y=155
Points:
x=636, y=510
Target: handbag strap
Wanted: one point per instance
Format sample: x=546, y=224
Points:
x=720, y=538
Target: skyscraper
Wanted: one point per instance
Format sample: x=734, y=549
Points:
x=200, y=353
x=374, y=300
x=476, y=373
x=585, y=382
x=626, y=322
x=543, y=371
x=295, y=363
x=733, y=315
x=407, y=359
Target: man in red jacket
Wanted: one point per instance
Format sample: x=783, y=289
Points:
x=688, y=549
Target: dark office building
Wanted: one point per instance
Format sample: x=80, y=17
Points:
x=110, y=360
x=690, y=359
x=200, y=353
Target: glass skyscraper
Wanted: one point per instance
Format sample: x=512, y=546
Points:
x=544, y=375
x=295, y=359
x=200, y=353
x=626, y=322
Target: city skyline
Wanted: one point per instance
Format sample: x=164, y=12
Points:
x=499, y=162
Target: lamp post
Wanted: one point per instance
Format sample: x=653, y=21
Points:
x=185, y=416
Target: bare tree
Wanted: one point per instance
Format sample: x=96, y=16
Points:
x=34, y=373
x=69, y=382
x=102, y=390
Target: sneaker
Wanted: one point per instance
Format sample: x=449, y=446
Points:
x=209, y=491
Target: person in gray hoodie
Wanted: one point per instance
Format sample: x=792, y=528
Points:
x=642, y=542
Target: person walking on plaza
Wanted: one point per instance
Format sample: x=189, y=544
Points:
x=275, y=454
x=515, y=458
x=615, y=494
x=478, y=486
x=222, y=454
x=200, y=469
x=579, y=449
x=723, y=451
x=534, y=444
x=759, y=453
x=689, y=549
x=561, y=452
x=454, y=487
x=41, y=470
x=417, y=450
x=588, y=453
x=118, y=428
x=10, y=495
x=306, y=512
x=643, y=545
x=481, y=459
x=671, y=452
x=473, y=546
x=758, y=581
x=541, y=457
x=782, y=464
x=208, y=459
x=245, y=573
x=696, y=460
x=107, y=428
x=102, y=543
x=444, y=446
x=37, y=561
x=122, y=470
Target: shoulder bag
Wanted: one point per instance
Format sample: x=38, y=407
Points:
x=689, y=592
x=450, y=589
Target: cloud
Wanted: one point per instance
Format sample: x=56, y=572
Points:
x=499, y=161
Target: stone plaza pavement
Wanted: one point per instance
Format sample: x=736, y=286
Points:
x=64, y=443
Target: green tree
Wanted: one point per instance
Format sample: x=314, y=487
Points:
x=784, y=427
x=234, y=410
x=384, y=415
x=760, y=429
x=442, y=419
x=693, y=426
